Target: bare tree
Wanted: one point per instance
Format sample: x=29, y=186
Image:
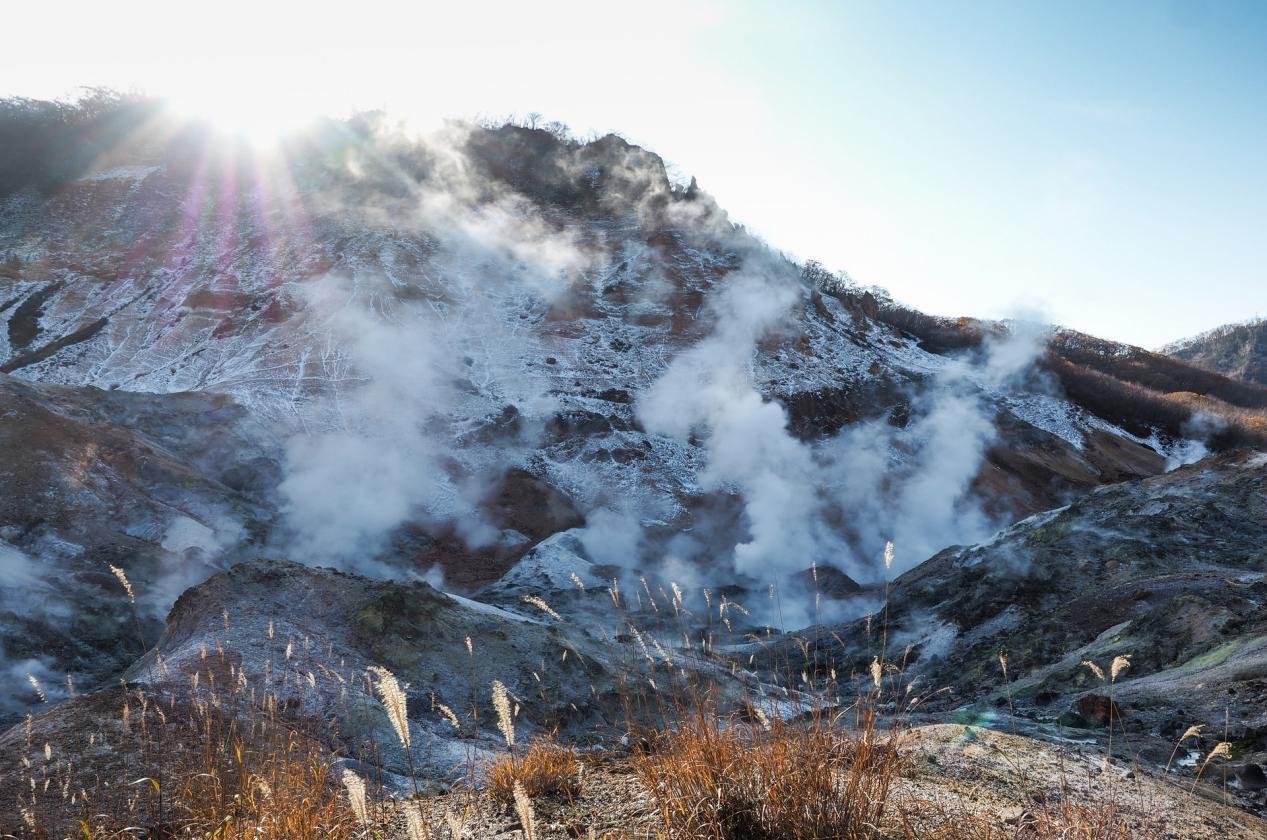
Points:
x=560, y=130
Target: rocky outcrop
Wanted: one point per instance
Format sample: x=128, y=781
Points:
x=275, y=634
x=1170, y=572
x=166, y=488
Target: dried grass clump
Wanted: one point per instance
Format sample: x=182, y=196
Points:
x=223, y=758
x=721, y=779
x=545, y=769
x=286, y=795
x=262, y=782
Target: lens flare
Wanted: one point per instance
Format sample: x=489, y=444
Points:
x=261, y=121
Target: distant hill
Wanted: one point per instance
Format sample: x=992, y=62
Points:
x=1235, y=350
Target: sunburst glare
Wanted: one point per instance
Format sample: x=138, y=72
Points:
x=262, y=122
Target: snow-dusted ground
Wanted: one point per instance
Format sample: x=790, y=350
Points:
x=323, y=312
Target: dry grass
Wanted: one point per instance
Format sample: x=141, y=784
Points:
x=268, y=779
x=202, y=774
x=271, y=796
x=713, y=778
x=206, y=753
x=545, y=769
x=231, y=760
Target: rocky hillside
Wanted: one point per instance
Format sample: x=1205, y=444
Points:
x=309, y=636
x=1235, y=350
x=341, y=405
x=412, y=356
x=163, y=486
x=1170, y=572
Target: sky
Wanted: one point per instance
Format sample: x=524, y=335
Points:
x=1102, y=164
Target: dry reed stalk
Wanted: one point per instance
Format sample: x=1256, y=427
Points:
x=394, y=701
x=355, y=787
x=501, y=704
x=527, y=817
x=540, y=604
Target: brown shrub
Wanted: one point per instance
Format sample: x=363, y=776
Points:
x=545, y=769
x=1137, y=408
x=193, y=771
x=722, y=779
x=271, y=796
x=1154, y=371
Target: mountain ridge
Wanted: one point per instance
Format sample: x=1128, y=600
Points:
x=1237, y=350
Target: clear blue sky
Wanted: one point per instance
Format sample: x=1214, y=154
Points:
x=1104, y=162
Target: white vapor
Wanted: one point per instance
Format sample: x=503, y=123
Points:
x=710, y=387
x=834, y=502
x=346, y=488
x=923, y=499
x=417, y=360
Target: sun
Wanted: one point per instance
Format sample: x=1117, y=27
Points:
x=260, y=119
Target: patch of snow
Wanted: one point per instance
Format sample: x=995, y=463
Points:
x=489, y=609
x=131, y=173
x=1177, y=452
x=1051, y=414
x=184, y=533
x=550, y=566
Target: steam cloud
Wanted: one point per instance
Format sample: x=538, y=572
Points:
x=747, y=442
x=412, y=377
x=419, y=345
x=911, y=485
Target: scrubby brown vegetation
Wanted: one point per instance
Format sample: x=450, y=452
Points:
x=730, y=780
x=1136, y=407
x=1133, y=388
x=544, y=769
x=210, y=768
x=1235, y=350
x=1154, y=371
x=1117, y=392
x=210, y=753
x=1127, y=404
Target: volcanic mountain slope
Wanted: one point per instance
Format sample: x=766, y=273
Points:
x=1235, y=350
x=521, y=365
x=165, y=486
x=401, y=356
x=1169, y=571
x=307, y=639
x=529, y=266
